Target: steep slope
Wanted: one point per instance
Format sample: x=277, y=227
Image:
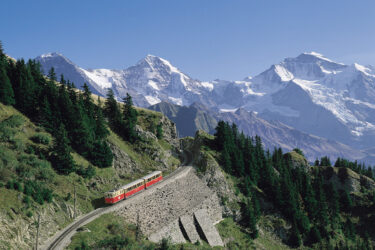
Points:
x=21, y=166
x=71, y=72
x=188, y=119
x=273, y=133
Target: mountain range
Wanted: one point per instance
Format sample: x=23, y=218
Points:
x=308, y=95
x=273, y=133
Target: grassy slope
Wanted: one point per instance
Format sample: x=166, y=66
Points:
x=107, y=226
x=89, y=192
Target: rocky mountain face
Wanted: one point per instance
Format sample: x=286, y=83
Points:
x=273, y=133
x=150, y=81
x=188, y=119
x=310, y=93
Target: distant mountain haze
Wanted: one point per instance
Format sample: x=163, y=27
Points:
x=308, y=93
x=273, y=133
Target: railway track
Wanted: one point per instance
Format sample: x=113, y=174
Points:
x=57, y=243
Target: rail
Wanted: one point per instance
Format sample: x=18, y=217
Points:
x=57, y=242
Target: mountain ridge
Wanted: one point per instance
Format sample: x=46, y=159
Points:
x=273, y=133
x=309, y=92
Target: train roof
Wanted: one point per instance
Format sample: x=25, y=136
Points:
x=151, y=174
x=135, y=182
x=131, y=183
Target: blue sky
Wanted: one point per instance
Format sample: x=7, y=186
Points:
x=207, y=39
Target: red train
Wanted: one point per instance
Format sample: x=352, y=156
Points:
x=123, y=192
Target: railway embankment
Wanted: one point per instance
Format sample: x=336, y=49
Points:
x=157, y=213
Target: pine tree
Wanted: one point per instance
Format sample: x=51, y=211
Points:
x=87, y=100
x=322, y=215
x=45, y=116
x=6, y=89
x=220, y=135
x=112, y=111
x=101, y=155
x=295, y=237
x=101, y=130
x=61, y=158
x=346, y=201
x=334, y=203
x=24, y=89
x=227, y=162
x=130, y=115
x=316, y=163
x=325, y=161
x=159, y=131
x=314, y=236
x=251, y=218
x=349, y=229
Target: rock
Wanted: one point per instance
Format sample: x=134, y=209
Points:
x=210, y=172
x=169, y=132
x=144, y=135
x=122, y=162
x=346, y=179
x=297, y=160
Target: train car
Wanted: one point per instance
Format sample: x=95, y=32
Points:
x=152, y=178
x=133, y=187
x=114, y=196
x=127, y=190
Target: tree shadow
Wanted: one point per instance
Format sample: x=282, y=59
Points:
x=99, y=202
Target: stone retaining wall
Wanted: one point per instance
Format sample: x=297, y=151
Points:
x=159, y=210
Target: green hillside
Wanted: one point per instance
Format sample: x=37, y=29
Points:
x=22, y=146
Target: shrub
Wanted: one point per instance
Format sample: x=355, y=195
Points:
x=41, y=138
x=298, y=151
x=47, y=194
x=18, y=186
x=30, y=149
x=159, y=131
x=6, y=133
x=14, y=121
x=27, y=201
x=29, y=214
x=10, y=184
x=18, y=145
x=87, y=173
x=38, y=192
x=28, y=189
x=68, y=197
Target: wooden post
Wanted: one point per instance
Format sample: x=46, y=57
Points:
x=37, y=232
x=74, y=201
x=137, y=232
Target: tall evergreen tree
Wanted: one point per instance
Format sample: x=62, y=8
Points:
x=130, y=115
x=251, y=218
x=6, y=89
x=61, y=158
x=112, y=111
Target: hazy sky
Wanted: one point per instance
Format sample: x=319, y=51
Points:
x=207, y=39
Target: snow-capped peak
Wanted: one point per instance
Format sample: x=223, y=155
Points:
x=156, y=63
x=363, y=69
x=318, y=56
x=283, y=73
x=54, y=58
x=52, y=54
